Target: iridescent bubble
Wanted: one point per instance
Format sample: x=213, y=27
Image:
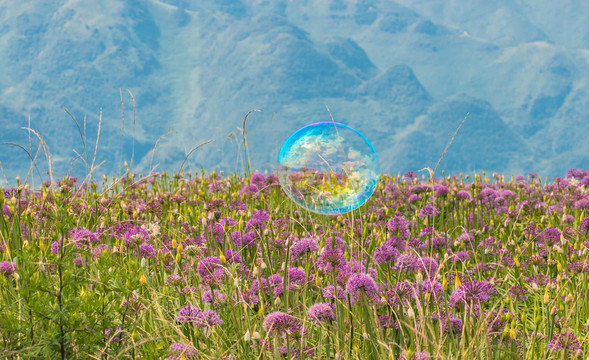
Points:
x=328, y=168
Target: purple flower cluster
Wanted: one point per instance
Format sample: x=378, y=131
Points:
x=197, y=318
x=322, y=312
x=361, y=286
x=282, y=324
x=179, y=351
x=472, y=292
x=8, y=268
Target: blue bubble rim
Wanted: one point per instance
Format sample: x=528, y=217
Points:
x=362, y=198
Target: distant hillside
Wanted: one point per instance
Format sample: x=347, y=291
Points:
x=405, y=73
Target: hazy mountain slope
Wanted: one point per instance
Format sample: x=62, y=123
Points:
x=405, y=73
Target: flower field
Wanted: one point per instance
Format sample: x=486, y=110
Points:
x=207, y=266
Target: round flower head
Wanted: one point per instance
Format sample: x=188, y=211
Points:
x=429, y=211
x=427, y=265
x=208, y=266
x=296, y=278
x=188, y=314
x=279, y=324
x=441, y=190
x=146, y=251
x=331, y=261
x=322, y=312
x=472, y=292
x=398, y=226
x=386, y=254
x=585, y=224
x=192, y=315
x=362, y=284
x=179, y=350
x=551, y=236
x=8, y=268
x=329, y=292
x=258, y=179
x=302, y=247
x=564, y=341
x=463, y=195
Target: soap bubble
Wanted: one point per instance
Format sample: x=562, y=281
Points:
x=328, y=168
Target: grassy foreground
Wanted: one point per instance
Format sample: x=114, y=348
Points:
x=188, y=266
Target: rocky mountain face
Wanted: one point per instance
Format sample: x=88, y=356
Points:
x=405, y=73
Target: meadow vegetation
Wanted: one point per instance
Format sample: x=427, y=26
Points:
x=191, y=265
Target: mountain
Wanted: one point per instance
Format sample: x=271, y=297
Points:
x=404, y=73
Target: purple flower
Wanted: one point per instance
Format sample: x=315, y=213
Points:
x=426, y=231
x=174, y=280
x=232, y=256
x=8, y=268
x=194, y=316
x=441, y=190
x=413, y=198
x=328, y=292
x=472, y=292
x=585, y=224
x=322, y=312
x=303, y=247
x=78, y=262
x=518, y=293
x=460, y=256
x=133, y=305
x=146, y=251
x=258, y=179
x=551, y=236
x=55, y=248
x=218, y=298
x=100, y=249
x=249, y=190
x=261, y=215
x=6, y=210
x=296, y=278
x=135, y=235
x=406, y=263
x=420, y=356
x=497, y=320
x=246, y=240
x=578, y=267
x=410, y=175
x=564, y=341
x=211, y=271
x=362, y=284
x=331, y=261
x=254, y=224
x=400, y=227
x=208, y=266
x=81, y=236
x=386, y=322
x=429, y=211
x=248, y=297
x=427, y=265
x=399, y=294
x=431, y=287
x=386, y=254
x=177, y=350
x=115, y=337
x=463, y=195
x=282, y=324
x=209, y=318
x=448, y=323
